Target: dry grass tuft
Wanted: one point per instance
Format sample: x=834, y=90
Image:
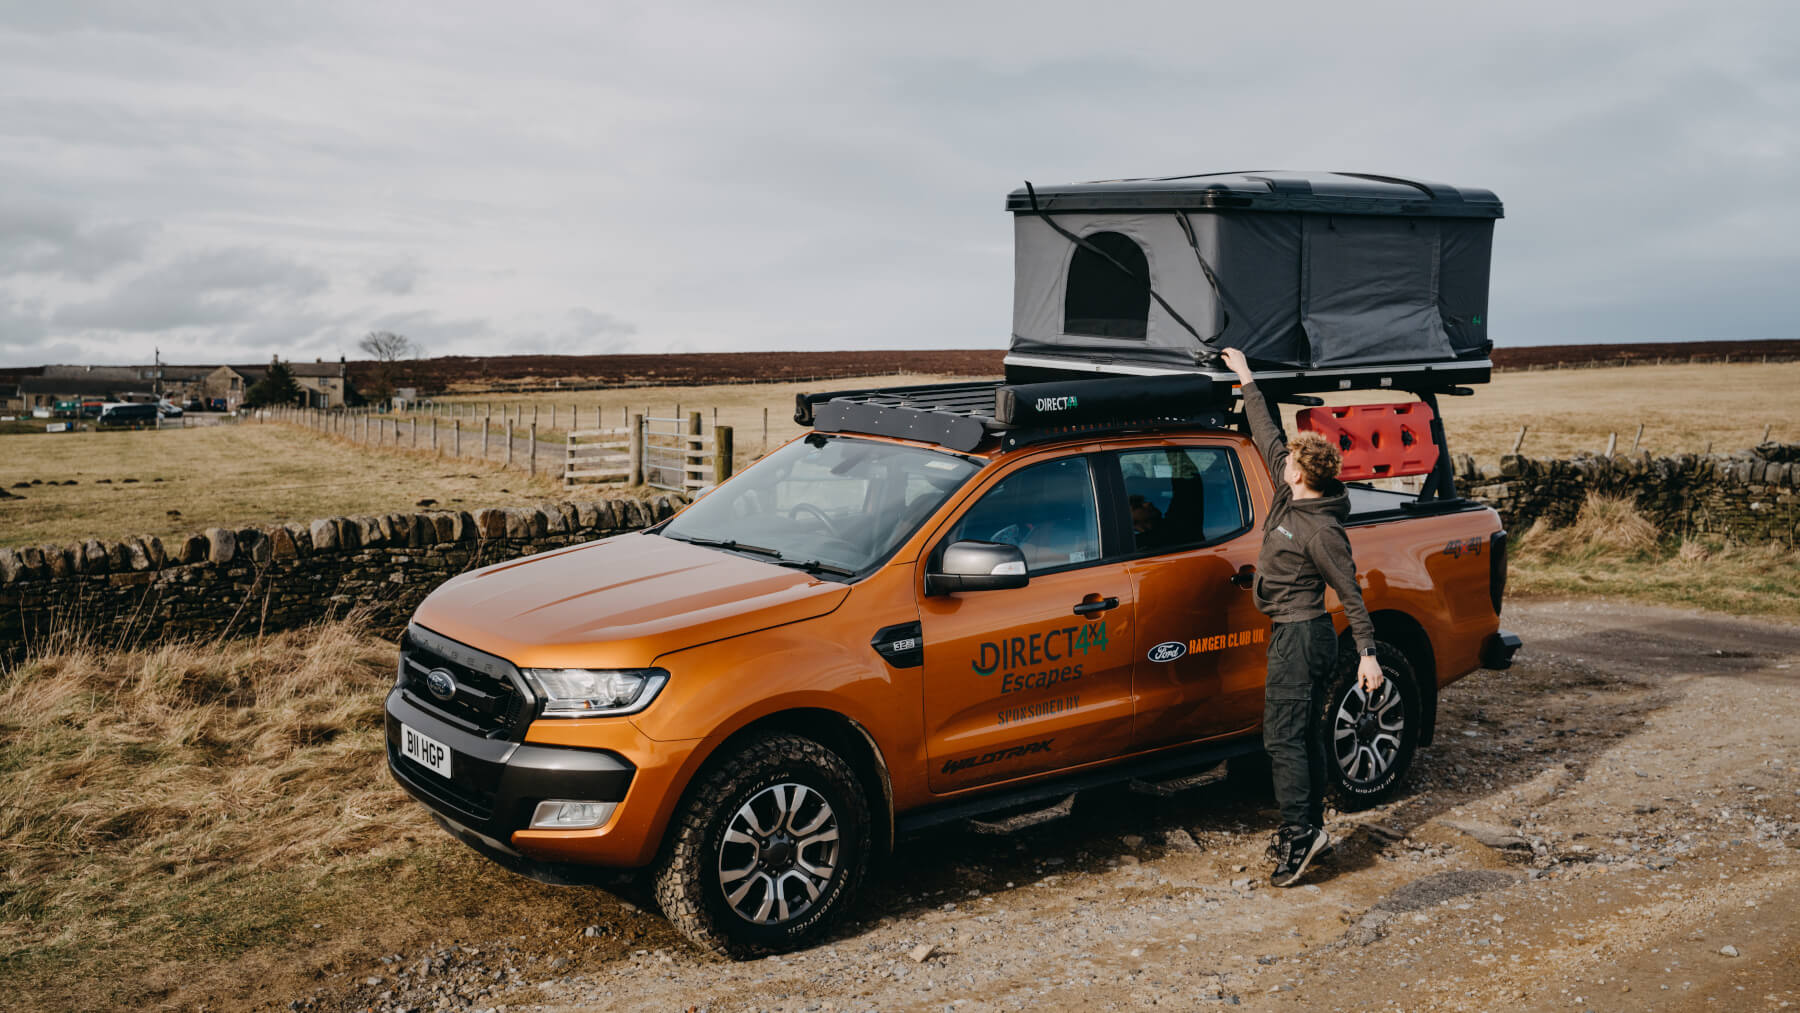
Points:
x=1606, y=525
x=144, y=792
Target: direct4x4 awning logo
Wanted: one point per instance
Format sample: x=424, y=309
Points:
x=1040, y=649
x=1013, y=753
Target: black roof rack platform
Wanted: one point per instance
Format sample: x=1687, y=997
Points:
x=962, y=415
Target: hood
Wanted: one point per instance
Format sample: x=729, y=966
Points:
x=620, y=602
x=1335, y=503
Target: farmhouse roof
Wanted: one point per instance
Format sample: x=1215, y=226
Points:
x=76, y=386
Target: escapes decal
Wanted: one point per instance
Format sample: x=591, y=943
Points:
x=1040, y=649
x=1040, y=746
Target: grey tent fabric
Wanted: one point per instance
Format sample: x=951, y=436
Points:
x=1361, y=276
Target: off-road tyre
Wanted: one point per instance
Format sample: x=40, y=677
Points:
x=1376, y=770
x=688, y=876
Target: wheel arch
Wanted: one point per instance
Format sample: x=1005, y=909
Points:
x=841, y=734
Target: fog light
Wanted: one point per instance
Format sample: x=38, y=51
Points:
x=556, y=814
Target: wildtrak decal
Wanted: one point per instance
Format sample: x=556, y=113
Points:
x=1013, y=753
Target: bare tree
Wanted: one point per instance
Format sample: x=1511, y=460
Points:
x=386, y=346
x=387, y=349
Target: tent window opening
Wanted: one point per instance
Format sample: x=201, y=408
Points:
x=1102, y=300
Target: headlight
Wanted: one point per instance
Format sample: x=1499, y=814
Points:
x=590, y=693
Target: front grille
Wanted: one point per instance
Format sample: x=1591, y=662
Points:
x=489, y=700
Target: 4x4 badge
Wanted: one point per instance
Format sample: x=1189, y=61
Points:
x=1169, y=650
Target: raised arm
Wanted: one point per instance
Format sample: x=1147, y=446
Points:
x=1263, y=430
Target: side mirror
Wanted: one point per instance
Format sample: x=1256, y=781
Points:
x=978, y=566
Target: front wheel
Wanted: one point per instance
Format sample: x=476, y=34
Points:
x=1370, y=738
x=766, y=850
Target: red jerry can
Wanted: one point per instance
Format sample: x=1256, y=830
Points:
x=1378, y=440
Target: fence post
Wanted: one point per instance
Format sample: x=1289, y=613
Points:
x=1766, y=430
x=635, y=440
x=553, y=415
x=765, y=439
x=456, y=437
x=1635, y=440
x=693, y=448
x=415, y=432
x=486, y=420
x=435, y=448
x=531, y=448
x=721, y=453
x=1516, y=443
x=509, y=449
x=569, y=457
x=1612, y=443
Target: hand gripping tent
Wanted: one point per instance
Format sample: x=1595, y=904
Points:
x=1301, y=270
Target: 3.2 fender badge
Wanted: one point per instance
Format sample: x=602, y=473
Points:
x=1168, y=650
x=440, y=683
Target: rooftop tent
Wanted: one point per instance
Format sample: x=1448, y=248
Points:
x=1300, y=270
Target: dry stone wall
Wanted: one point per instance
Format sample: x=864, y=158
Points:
x=1750, y=497
x=226, y=582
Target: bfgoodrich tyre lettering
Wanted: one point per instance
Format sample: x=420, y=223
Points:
x=1370, y=739
x=781, y=813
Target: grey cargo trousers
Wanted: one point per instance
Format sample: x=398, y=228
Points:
x=1302, y=658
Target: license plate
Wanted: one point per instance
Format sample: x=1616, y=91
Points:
x=424, y=750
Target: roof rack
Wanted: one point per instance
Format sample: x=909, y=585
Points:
x=1446, y=377
x=961, y=416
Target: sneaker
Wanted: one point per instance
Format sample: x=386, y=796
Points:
x=1297, y=850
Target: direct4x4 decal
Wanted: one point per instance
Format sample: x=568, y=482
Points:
x=1013, y=753
x=1040, y=649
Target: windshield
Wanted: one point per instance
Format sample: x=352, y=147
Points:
x=842, y=504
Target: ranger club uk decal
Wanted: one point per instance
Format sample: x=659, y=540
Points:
x=1175, y=650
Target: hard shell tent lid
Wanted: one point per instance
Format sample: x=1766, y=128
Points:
x=1300, y=270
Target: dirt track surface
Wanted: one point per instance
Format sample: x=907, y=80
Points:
x=1632, y=778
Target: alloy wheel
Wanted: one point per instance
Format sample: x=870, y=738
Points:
x=779, y=854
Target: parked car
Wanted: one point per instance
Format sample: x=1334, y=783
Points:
x=906, y=620
x=169, y=409
x=124, y=414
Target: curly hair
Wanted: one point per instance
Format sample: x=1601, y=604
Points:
x=1317, y=459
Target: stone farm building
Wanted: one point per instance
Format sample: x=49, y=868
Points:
x=324, y=384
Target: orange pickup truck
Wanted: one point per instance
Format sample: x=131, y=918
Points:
x=919, y=612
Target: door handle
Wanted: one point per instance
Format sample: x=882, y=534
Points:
x=1245, y=576
x=1088, y=608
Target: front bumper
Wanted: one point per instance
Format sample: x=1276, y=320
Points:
x=495, y=784
x=1498, y=649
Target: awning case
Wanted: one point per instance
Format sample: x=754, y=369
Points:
x=1297, y=269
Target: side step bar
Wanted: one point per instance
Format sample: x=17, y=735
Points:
x=1159, y=769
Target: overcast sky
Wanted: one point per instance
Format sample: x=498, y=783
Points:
x=228, y=179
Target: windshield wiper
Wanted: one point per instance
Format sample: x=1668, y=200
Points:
x=727, y=543
x=815, y=566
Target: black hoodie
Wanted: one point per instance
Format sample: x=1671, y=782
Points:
x=1304, y=544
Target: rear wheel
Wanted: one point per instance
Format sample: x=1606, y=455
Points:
x=1370, y=738
x=767, y=850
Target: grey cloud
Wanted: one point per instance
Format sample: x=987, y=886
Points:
x=22, y=328
x=585, y=323
x=214, y=288
x=42, y=239
x=396, y=279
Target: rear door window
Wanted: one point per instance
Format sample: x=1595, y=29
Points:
x=1181, y=497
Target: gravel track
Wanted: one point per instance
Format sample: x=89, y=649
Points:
x=1611, y=825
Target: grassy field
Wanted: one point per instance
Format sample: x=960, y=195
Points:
x=743, y=406
x=234, y=475
x=1683, y=408
x=213, y=826
x=182, y=480
x=1613, y=550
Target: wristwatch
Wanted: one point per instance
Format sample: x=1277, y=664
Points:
x=1367, y=652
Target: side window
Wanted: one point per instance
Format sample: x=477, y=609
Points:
x=1102, y=300
x=1048, y=510
x=1182, y=496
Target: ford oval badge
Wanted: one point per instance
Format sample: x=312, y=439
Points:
x=441, y=683
x=1166, y=651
